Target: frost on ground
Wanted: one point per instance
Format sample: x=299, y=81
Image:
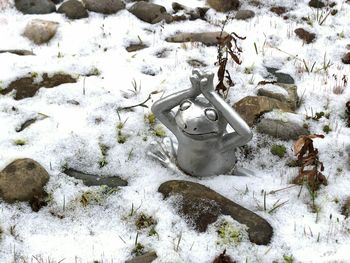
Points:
x=83, y=224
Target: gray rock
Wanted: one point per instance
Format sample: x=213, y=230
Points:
x=197, y=13
x=136, y=47
x=244, y=14
x=150, y=13
x=252, y=107
x=202, y=206
x=27, y=87
x=316, y=4
x=93, y=180
x=146, y=258
x=286, y=93
x=346, y=58
x=73, y=9
x=40, y=31
x=31, y=121
x=224, y=5
x=207, y=38
x=280, y=77
x=346, y=208
x=19, y=52
x=178, y=7
x=104, y=6
x=35, y=6
x=22, y=180
x=282, y=125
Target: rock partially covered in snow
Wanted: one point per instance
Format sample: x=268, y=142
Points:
x=316, y=4
x=35, y=6
x=19, y=52
x=282, y=125
x=223, y=5
x=73, y=9
x=93, y=180
x=22, y=180
x=146, y=258
x=196, y=13
x=280, y=77
x=346, y=58
x=252, y=107
x=40, y=31
x=203, y=206
x=104, y=6
x=27, y=87
x=286, y=93
x=244, y=14
x=207, y=38
x=346, y=208
x=150, y=13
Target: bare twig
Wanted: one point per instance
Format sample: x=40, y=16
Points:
x=141, y=104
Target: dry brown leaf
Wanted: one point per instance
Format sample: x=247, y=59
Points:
x=298, y=145
x=223, y=258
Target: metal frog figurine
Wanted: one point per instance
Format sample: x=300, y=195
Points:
x=204, y=146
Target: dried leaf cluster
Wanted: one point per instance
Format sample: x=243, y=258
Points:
x=227, y=48
x=311, y=167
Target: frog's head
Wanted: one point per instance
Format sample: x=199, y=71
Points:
x=199, y=120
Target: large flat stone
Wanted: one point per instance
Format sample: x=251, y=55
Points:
x=104, y=6
x=252, y=107
x=35, y=6
x=149, y=12
x=286, y=93
x=26, y=87
x=280, y=76
x=94, y=180
x=202, y=206
x=282, y=125
x=207, y=38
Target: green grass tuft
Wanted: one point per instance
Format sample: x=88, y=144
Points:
x=279, y=150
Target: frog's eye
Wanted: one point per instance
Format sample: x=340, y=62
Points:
x=211, y=114
x=185, y=105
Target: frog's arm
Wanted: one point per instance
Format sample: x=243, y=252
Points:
x=163, y=107
x=242, y=133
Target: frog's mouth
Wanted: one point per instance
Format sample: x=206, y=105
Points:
x=199, y=134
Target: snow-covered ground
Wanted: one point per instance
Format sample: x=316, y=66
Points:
x=105, y=231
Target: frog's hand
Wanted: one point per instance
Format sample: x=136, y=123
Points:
x=235, y=140
x=164, y=152
x=242, y=133
x=163, y=159
x=163, y=107
x=160, y=157
x=170, y=147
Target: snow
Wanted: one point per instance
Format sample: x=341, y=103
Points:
x=105, y=231
x=275, y=89
x=285, y=117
